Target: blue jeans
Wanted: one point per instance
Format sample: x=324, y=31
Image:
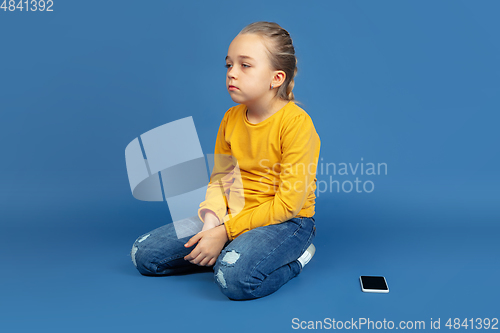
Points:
x=253, y=265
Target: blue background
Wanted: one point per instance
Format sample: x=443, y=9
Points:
x=413, y=84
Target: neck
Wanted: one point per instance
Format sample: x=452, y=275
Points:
x=257, y=112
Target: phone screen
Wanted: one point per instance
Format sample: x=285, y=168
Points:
x=374, y=283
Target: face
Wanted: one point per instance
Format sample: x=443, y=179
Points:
x=248, y=69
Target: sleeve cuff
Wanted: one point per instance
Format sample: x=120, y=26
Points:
x=228, y=232
x=203, y=211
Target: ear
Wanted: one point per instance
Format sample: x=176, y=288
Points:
x=278, y=78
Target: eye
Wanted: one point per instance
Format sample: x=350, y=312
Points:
x=245, y=65
x=227, y=65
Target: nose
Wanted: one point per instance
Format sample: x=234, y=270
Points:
x=231, y=73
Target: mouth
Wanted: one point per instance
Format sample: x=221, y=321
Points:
x=232, y=88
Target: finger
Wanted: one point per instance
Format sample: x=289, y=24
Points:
x=205, y=261
x=192, y=240
x=212, y=262
x=192, y=254
x=198, y=259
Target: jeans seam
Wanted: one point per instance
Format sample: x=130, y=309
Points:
x=309, y=241
x=255, y=267
x=172, y=258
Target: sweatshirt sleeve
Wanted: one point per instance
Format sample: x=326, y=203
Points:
x=300, y=142
x=221, y=177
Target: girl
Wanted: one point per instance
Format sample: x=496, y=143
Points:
x=255, y=249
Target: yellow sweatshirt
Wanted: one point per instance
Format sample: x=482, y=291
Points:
x=263, y=173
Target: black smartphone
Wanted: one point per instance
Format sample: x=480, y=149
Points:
x=373, y=284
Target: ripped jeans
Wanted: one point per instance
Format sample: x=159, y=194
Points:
x=254, y=264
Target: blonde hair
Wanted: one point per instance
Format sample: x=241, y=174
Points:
x=281, y=53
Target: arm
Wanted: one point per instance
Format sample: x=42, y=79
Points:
x=300, y=151
x=220, y=179
x=210, y=221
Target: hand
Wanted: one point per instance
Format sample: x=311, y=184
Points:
x=210, y=221
x=210, y=244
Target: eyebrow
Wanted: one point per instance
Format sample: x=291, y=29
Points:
x=242, y=57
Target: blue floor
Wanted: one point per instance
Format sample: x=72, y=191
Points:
x=71, y=272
